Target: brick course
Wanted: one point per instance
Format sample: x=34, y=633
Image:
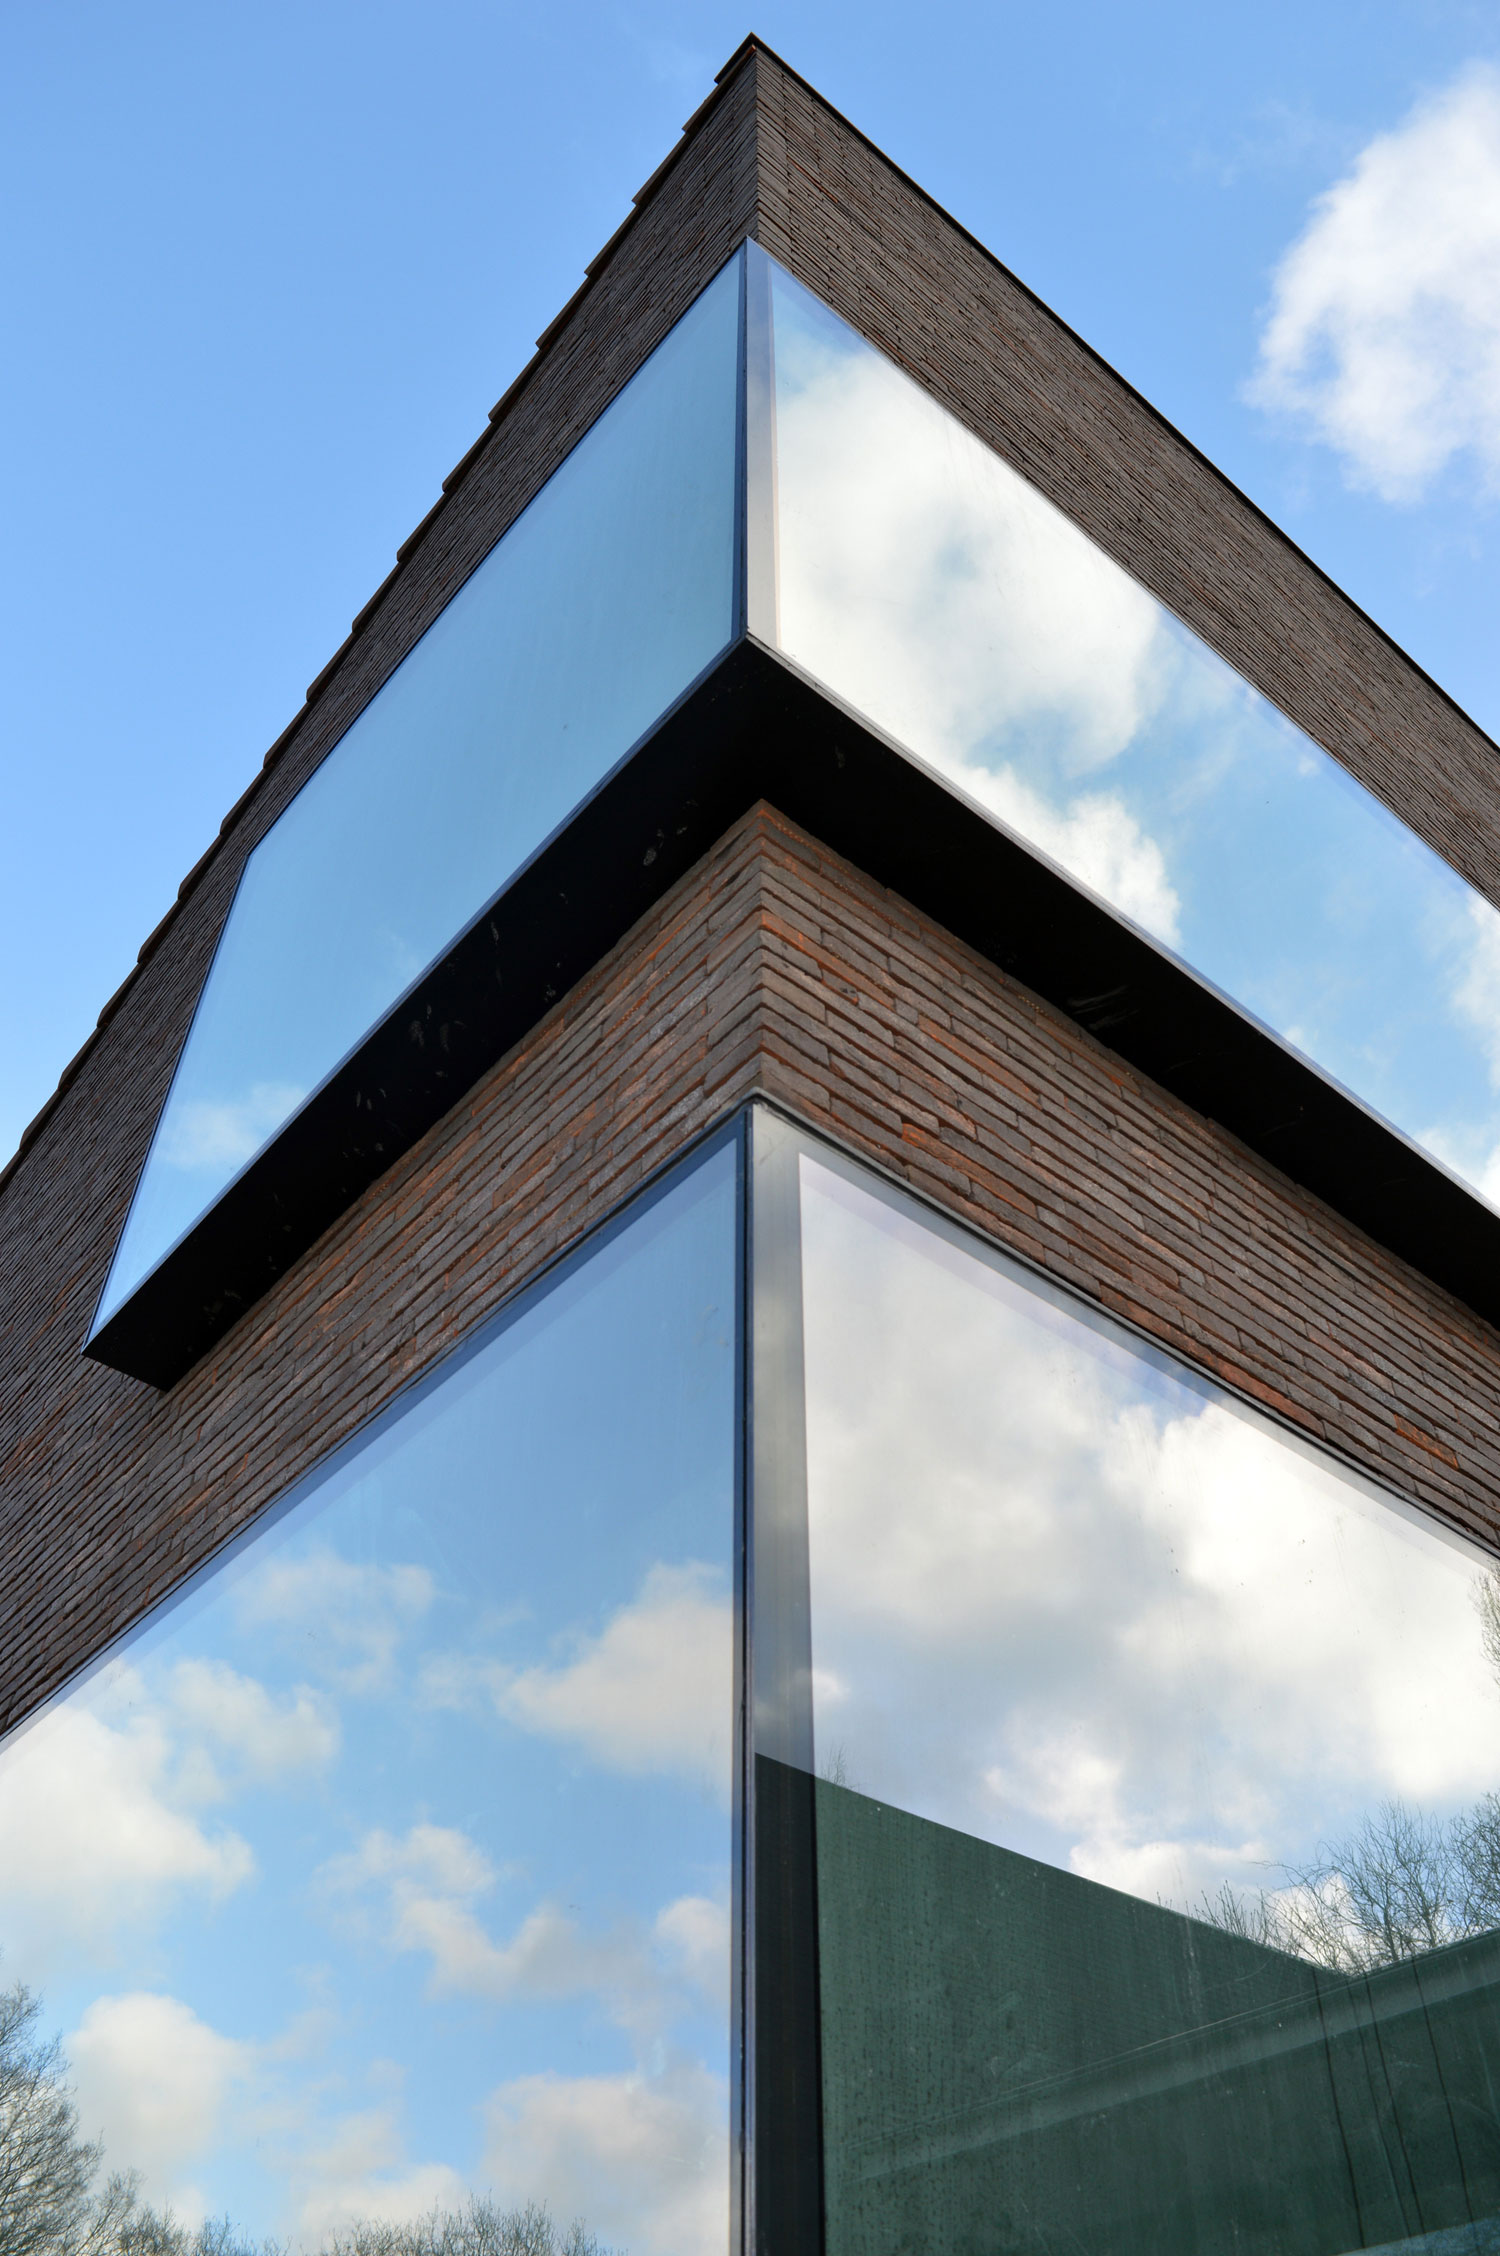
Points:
x=774, y=968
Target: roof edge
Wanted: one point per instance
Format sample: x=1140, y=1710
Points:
x=751, y=46
x=362, y=618
x=754, y=44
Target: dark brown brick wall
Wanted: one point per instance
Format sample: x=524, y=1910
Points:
x=701, y=209
x=767, y=157
x=836, y=212
x=772, y=967
x=848, y=1005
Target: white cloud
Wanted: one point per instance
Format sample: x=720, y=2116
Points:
x=1088, y=1613
x=155, y=2082
x=692, y=1937
x=1094, y=837
x=1468, y=1153
x=652, y=1692
x=427, y=1883
x=1478, y=993
x=91, y=1837
x=927, y=582
x=198, y=1133
x=101, y=1800
x=436, y=1859
x=644, y=2161
x=345, y=1621
x=1470, y=1149
x=1384, y=331
x=358, y=2170
x=426, y=1886
x=937, y=590
x=255, y=1735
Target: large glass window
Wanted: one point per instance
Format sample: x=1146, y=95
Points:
x=890, y=553
x=1123, y=1861
x=1157, y=1801
x=613, y=590
x=935, y=590
x=391, y=1863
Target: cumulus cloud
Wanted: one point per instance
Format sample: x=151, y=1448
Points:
x=155, y=2081
x=692, y=1937
x=937, y=589
x=424, y=1892
x=94, y=1836
x=1383, y=337
x=1477, y=996
x=1470, y=1149
x=642, y=2158
x=1094, y=837
x=651, y=1692
x=1069, y=1604
x=428, y=1881
x=245, y=1732
x=101, y=1799
x=358, y=2168
x=924, y=580
x=436, y=1859
x=345, y=1621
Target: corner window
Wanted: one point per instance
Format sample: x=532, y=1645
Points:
x=389, y=1866
x=594, y=612
x=1078, y=1824
x=931, y=586
x=768, y=471
x=1154, y=1791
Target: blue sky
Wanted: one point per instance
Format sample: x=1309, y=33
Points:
x=266, y=271
x=1101, y=1658
x=395, y=1859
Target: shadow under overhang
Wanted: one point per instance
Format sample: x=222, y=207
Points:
x=756, y=728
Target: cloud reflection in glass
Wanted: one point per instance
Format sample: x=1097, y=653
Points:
x=1070, y=1598
x=393, y=1859
x=933, y=588
x=1157, y=1817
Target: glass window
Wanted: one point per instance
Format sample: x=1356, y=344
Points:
x=603, y=602
x=936, y=591
x=1157, y=1788
x=391, y=1864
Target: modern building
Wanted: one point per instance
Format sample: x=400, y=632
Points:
x=751, y=1402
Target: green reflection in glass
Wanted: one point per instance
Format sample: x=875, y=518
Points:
x=931, y=586
x=393, y=1861
x=605, y=599
x=1158, y=1847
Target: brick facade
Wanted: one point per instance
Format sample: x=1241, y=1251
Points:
x=771, y=967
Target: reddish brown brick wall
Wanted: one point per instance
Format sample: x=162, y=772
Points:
x=767, y=157
x=772, y=967
x=701, y=209
x=836, y=211
x=853, y=1009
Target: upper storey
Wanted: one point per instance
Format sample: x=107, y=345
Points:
x=605, y=599
x=1196, y=797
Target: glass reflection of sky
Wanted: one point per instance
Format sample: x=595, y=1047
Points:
x=394, y=1860
x=1070, y=1599
x=598, y=608
x=933, y=588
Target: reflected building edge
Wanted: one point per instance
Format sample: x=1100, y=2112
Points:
x=925, y=581
x=1156, y=1894
x=846, y=1629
